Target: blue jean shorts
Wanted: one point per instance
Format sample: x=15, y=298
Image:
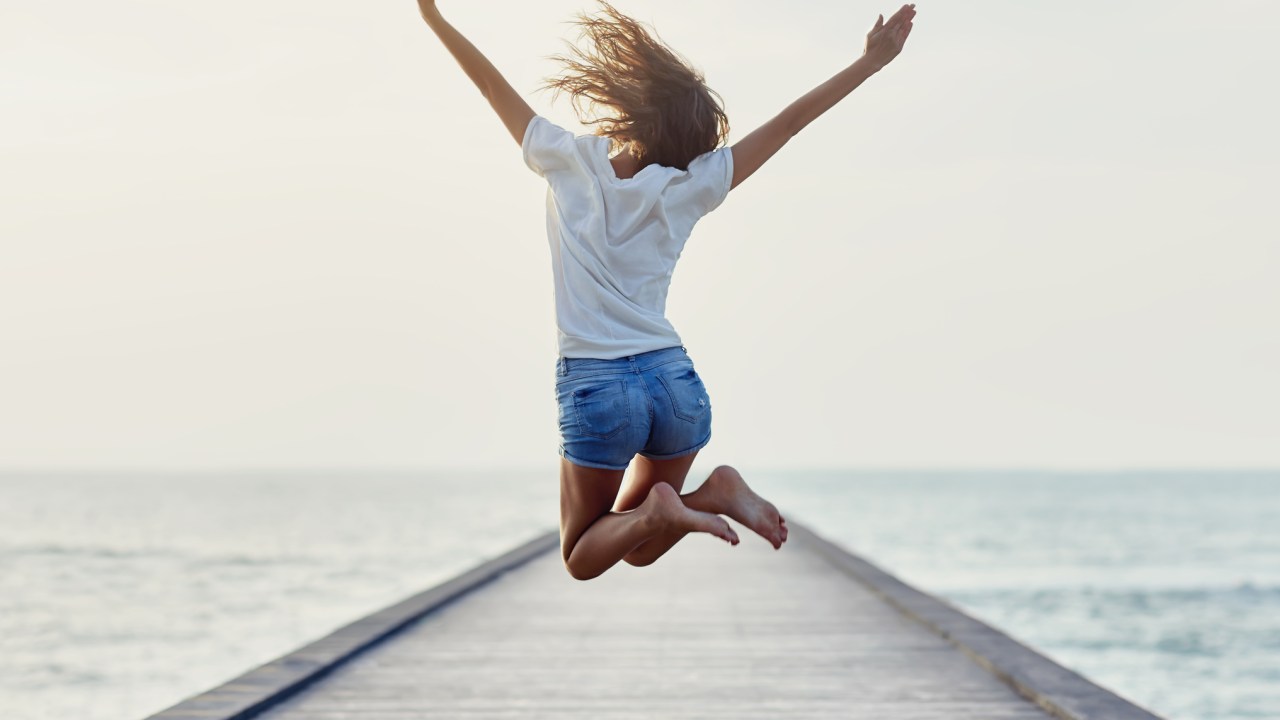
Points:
x=652, y=404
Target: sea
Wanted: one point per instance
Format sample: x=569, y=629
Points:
x=123, y=593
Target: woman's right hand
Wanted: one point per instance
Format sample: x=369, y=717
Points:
x=886, y=39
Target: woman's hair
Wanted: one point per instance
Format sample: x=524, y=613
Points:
x=640, y=91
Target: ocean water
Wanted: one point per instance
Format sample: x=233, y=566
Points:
x=122, y=594
x=1162, y=587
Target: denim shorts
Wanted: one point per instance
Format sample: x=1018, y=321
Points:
x=652, y=404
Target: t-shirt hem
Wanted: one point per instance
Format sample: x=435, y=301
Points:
x=728, y=180
x=596, y=351
x=525, y=145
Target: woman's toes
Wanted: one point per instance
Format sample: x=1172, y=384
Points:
x=730, y=535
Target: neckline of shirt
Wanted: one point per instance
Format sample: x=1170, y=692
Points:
x=608, y=166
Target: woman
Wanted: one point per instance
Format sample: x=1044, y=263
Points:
x=617, y=223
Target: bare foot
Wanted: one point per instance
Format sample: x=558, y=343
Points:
x=666, y=508
x=726, y=492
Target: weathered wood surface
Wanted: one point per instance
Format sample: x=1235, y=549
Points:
x=264, y=686
x=708, y=631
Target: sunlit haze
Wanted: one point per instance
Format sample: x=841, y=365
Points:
x=293, y=234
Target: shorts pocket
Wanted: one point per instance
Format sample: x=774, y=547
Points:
x=602, y=408
x=689, y=398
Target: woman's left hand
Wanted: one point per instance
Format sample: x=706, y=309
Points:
x=886, y=39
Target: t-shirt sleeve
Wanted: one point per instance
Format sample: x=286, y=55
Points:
x=710, y=177
x=548, y=147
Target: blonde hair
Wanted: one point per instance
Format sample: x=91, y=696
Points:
x=635, y=89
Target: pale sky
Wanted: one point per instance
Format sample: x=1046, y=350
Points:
x=292, y=234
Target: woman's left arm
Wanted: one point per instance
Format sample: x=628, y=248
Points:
x=510, y=106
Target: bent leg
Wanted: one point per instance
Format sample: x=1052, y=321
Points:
x=723, y=493
x=649, y=473
x=592, y=539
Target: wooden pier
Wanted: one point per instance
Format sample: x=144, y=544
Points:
x=810, y=631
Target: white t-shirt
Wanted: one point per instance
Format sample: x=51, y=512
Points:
x=615, y=242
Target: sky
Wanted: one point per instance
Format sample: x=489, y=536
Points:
x=294, y=235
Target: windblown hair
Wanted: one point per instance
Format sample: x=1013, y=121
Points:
x=637, y=90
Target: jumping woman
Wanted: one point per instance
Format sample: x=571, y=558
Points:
x=620, y=205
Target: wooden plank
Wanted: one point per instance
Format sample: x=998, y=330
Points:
x=264, y=686
x=811, y=631
x=1064, y=693
x=741, y=632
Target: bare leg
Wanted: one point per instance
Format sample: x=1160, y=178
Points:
x=724, y=493
x=649, y=473
x=592, y=539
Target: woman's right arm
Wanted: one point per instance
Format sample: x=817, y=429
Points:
x=511, y=107
x=884, y=42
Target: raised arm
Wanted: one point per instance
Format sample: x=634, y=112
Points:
x=509, y=105
x=884, y=42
